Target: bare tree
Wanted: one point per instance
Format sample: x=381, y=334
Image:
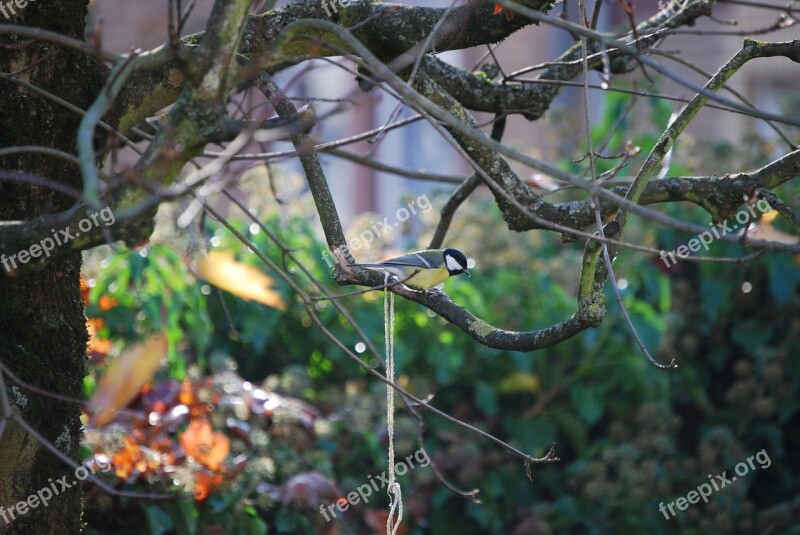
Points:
x=69, y=106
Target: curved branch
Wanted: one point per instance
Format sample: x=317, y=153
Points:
x=478, y=329
x=315, y=176
x=462, y=192
x=719, y=196
x=475, y=91
x=376, y=24
x=389, y=29
x=790, y=49
x=750, y=50
x=479, y=93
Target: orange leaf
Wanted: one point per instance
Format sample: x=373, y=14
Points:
x=769, y=217
x=106, y=303
x=98, y=347
x=186, y=395
x=220, y=269
x=128, y=459
x=84, y=290
x=205, y=446
x=204, y=484
x=122, y=380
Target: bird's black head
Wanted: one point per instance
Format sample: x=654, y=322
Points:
x=455, y=261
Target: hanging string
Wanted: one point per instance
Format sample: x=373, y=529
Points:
x=394, y=491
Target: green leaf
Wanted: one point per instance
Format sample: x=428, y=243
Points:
x=251, y=524
x=588, y=401
x=447, y=364
x=187, y=515
x=784, y=278
x=486, y=398
x=575, y=430
x=536, y=435
x=158, y=520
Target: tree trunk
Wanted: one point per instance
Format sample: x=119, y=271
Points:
x=42, y=326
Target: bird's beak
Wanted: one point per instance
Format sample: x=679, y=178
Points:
x=468, y=273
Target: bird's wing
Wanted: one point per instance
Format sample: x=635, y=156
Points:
x=419, y=260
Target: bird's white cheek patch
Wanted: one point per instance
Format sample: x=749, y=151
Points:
x=453, y=265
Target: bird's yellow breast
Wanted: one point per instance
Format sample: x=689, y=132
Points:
x=427, y=278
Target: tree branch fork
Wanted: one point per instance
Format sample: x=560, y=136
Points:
x=523, y=209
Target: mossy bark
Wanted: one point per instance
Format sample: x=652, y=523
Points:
x=42, y=327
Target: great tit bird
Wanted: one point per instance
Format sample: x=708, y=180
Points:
x=423, y=270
